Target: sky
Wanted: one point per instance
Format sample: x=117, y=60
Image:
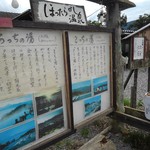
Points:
x=142, y=6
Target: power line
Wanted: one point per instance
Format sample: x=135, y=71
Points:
x=94, y=12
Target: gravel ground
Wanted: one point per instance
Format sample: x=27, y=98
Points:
x=142, y=83
x=83, y=135
x=75, y=141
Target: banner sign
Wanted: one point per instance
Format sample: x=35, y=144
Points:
x=46, y=11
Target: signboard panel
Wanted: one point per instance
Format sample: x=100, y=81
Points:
x=138, y=51
x=46, y=11
x=32, y=86
x=90, y=73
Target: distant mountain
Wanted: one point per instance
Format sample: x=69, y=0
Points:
x=81, y=90
x=128, y=24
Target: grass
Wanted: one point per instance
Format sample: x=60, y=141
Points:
x=84, y=132
x=127, y=102
x=67, y=143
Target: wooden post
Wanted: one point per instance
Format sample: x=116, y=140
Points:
x=113, y=21
x=128, y=78
x=134, y=90
x=148, y=88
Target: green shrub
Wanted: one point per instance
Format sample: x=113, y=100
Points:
x=126, y=102
x=84, y=132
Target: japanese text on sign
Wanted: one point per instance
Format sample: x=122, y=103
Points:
x=56, y=12
x=138, y=48
x=89, y=55
x=29, y=61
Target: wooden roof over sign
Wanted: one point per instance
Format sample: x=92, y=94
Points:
x=124, y=4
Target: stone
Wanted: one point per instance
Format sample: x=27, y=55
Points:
x=99, y=142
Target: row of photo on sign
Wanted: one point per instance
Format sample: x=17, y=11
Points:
x=28, y=118
x=87, y=96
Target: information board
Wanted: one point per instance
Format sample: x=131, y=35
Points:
x=32, y=86
x=138, y=51
x=90, y=73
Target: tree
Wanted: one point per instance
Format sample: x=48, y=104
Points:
x=142, y=21
x=123, y=20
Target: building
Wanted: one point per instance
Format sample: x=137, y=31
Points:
x=137, y=47
x=8, y=15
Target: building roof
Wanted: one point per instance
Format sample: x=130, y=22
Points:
x=8, y=14
x=141, y=29
x=124, y=4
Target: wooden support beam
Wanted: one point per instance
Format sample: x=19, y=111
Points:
x=123, y=4
x=135, y=112
x=134, y=90
x=131, y=120
x=128, y=78
x=148, y=88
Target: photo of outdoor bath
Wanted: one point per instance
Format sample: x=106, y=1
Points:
x=50, y=122
x=100, y=85
x=92, y=105
x=48, y=100
x=18, y=136
x=16, y=110
x=81, y=90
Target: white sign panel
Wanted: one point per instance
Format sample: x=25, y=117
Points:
x=30, y=60
x=90, y=73
x=56, y=12
x=32, y=87
x=138, y=51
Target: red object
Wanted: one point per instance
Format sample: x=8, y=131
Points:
x=6, y=22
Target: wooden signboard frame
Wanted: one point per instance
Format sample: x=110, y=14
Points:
x=85, y=42
x=139, y=62
x=138, y=48
x=24, y=24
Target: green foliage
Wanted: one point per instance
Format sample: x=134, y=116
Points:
x=140, y=103
x=142, y=21
x=123, y=20
x=69, y=144
x=138, y=140
x=126, y=102
x=84, y=132
x=94, y=23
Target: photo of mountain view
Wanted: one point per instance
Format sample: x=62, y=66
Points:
x=50, y=122
x=48, y=100
x=100, y=84
x=16, y=110
x=18, y=136
x=92, y=105
x=81, y=90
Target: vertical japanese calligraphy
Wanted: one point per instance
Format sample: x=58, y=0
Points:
x=30, y=60
x=138, y=51
x=88, y=55
x=57, y=12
